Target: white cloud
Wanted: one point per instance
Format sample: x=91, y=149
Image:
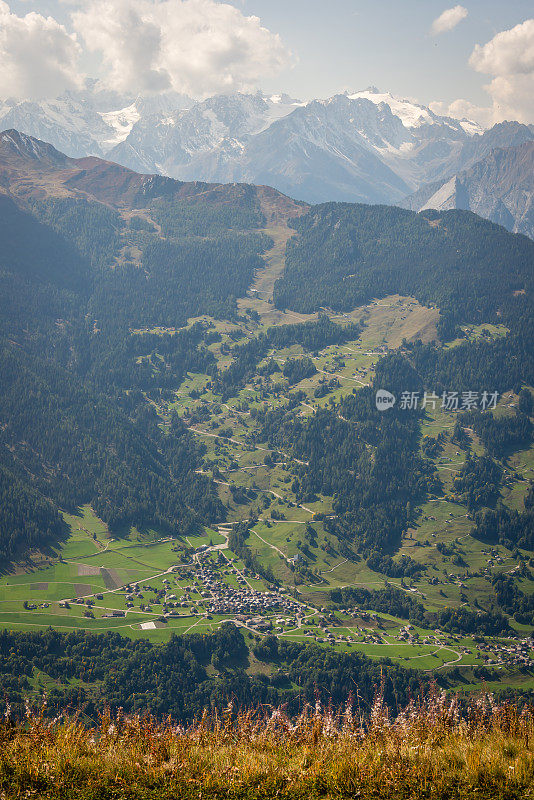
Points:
x=38, y=57
x=199, y=47
x=508, y=53
x=449, y=19
x=464, y=109
x=509, y=58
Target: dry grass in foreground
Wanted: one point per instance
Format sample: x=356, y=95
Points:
x=430, y=750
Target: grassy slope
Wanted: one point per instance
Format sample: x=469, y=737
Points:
x=426, y=752
x=137, y=557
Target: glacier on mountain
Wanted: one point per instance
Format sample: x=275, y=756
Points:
x=363, y=146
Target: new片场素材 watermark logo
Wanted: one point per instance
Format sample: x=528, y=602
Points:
x=448, y=401
x=384, y=399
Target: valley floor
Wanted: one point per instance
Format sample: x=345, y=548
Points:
x=148, y=584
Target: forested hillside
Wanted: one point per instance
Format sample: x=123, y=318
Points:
x=472, y=269
x=190, y=437
x=467, y=266
x=77, y=277
x=177, y=678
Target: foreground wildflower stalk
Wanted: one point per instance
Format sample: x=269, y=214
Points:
x=429, y=750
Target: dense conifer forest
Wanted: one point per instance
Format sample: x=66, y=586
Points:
x=175, y=678
x=154, y=390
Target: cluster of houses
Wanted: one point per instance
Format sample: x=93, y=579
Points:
x=494, y=652
x=518, y=653
x=243, y=600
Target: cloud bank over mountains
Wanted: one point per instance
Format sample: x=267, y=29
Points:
x=198, y=47
x=205, y=47
x=508, y=58
x=38, y=56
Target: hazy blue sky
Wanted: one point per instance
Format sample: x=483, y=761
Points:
x=310, y=48
x=354, y=43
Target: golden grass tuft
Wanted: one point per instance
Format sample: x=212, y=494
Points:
x=429, y=750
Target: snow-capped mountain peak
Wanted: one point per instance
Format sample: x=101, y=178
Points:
x=470, y=127
x=365, y=146
x=410, y=114
x=120, y=123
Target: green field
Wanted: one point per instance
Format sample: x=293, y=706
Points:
x=93, y=562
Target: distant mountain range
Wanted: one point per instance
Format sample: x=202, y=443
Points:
x=499, y=187
x=365, y=146
x=32, y=171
